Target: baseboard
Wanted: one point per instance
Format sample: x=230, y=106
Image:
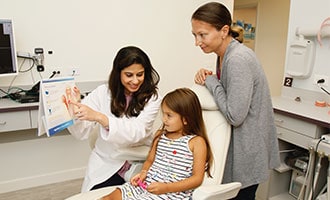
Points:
x=24, y=183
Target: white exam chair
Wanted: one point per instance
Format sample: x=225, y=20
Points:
x=219, y=133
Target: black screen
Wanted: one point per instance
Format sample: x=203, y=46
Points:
x=7, y=48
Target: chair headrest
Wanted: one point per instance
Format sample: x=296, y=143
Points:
x=205, y=97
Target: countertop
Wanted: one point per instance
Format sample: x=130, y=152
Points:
x=304, y=109
x=8, y=105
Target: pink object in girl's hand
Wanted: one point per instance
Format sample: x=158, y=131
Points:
x=142, y=184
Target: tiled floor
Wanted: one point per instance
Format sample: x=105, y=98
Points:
x=56, y=191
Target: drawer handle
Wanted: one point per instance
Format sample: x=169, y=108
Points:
x=3, y=123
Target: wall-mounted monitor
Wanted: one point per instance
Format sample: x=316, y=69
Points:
x=8, y=59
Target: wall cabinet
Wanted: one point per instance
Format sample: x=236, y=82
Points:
x=12, y=121
x=295, y=131
x=15, y=116
x=34, y=118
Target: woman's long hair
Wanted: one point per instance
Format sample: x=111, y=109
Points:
x=125, y=58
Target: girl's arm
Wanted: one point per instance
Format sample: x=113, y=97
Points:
x=199, y=149
x=150, y=159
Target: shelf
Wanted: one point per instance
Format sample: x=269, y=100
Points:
x=283, y=168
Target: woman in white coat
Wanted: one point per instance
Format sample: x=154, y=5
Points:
x=125, y=110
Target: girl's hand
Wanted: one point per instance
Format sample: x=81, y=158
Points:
x=134, y=180
x=138, y=177
x=201, y=76
x=157, y=188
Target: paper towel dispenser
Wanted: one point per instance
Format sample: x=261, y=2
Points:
x=301, y=58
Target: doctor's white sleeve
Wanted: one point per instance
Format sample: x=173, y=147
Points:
x=129, y=131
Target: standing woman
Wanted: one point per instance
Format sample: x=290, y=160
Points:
x=124, y=109
x=241, y=92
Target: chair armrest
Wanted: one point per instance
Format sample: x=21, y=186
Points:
x=217, y=192
x=93, y=195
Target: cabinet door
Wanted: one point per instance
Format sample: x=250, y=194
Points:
x=34, y=118
x=302, y=127
x=11, y=121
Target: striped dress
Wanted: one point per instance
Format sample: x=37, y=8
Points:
x=173, y=162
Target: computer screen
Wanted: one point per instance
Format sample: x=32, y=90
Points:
x=8, y=59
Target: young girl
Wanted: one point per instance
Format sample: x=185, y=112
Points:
x=179, y=156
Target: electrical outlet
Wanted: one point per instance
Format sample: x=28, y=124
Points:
x=317, y=77
x=326, y=138
x=74, y=71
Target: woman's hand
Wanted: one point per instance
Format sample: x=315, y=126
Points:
x=201, y=76
x=83, y=112
x=71, y=97
x=77, y=94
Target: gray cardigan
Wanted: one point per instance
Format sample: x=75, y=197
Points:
x=243, y=97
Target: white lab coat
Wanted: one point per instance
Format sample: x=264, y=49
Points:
x=106, y=159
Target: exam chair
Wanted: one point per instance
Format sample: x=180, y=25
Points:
x=219, y=132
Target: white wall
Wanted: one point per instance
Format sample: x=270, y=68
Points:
x=30, y=162
x=310, y=15
x=271, y=35
x=87, y=34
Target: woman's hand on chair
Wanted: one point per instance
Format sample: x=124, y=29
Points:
x=201, y=76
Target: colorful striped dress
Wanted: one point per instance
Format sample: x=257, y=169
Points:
x=173, y=162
